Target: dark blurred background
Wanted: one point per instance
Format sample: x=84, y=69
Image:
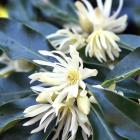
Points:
x=131, y=8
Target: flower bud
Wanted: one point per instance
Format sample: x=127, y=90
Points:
x=22, y=66
x=42, y=98
x=93, y=100
x=83, y=104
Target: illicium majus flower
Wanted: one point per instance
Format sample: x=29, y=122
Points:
x=68, y=118
x=66, y=77
x=96, y=30
x=62, y=95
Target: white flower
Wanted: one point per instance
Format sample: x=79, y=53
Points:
x=66, y=77
x=95, y=31
x=64, y=38
x=68, y=119
x=13, y=65
x=102, y=42
x=101, y=17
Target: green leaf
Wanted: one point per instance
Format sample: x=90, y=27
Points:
x=24, y=6
x=122, y=114
x=22, y=133
x=14, y=87
x=130, y=88
x=43, y=28
x=127, y=67
x=61, y=11
x=12, y=113
x=19, y=132
x=129, y=42
x=101, y=129
x=20, y=41
x=79, y=135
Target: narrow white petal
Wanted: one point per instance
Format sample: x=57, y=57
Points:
x=107, y=7
x=66, y=128
x=118, y=10
x=46, y=115
x=59, y=59
x=73, y=90
x=84, y=135
x=103, y=41
x=34, y=120
x=44, y=63
x=62, y=55
x=63, y=114
x=60, y=97
x=100, y=5
x=55, y=88
x=74, y=123
x=41, y=127
x=31, y=108
x=86, y=130
x=38, y=88
x=89, y=7
x=89, y=73
x=59, y=128
x=38, y=111
x=48, y=121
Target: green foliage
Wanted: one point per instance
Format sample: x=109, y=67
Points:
x=113, y=117
x=121, y=113
x=127, y=67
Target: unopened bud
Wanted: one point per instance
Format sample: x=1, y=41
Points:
x=83, y=104
x=42, y=98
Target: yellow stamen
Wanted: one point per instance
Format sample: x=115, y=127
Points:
x=73, y=76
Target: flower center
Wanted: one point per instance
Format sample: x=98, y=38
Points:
x=73, y=76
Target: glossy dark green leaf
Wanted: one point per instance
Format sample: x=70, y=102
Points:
x=79, y=135
x=22, y=133
x=61, y=11
x=20, y=41
x=101, y=129
x=43, y=28
x=122, y=114
x=129, y=42
x=19, y=132
x=14, y=87
x=127, y=67
x=130, y=88
x=12, y=113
